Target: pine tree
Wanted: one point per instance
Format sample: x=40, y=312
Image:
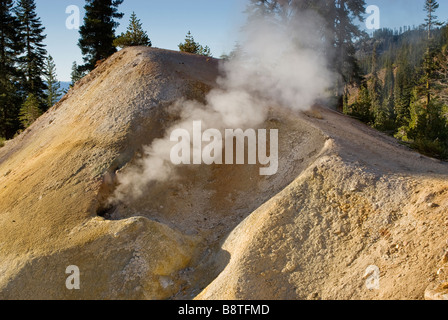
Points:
x=9, y=51
x=375, y=93
x=54, y=91
x=385, y=114
x=402, y=94
x=442, y=73
x=430, y=23
x=377, y=107
x=98, y=32
x=134, y=36
x=189, y=45
x=361, y=109
x=237, y=51
x=76, y=74
x=9, y=42
x=430, y=67
x=428, y=129
x=340, y=16
x=431, y=20
x=205, y=51
x=29, y=112
x=192, y=46
x=33, y=60
x=389, y=80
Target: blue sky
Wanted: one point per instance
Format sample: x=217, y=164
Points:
x=212, y=22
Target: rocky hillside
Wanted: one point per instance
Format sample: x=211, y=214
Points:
x=345, y=198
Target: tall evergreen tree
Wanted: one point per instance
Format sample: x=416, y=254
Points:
x=9, y=41
x=341, y=16
x=431, y=20
x=377, y=106
x=192, y=46
x=361, y=109
x=442, y=73
x=375, y=93
x=98, y=32
x=134, y=36
x=76, y=74
x=33, y=60
x=54, y=91
x=29, y=112
x=403, y=94
x=430, y=67
x=9, y=50
x=385, y=115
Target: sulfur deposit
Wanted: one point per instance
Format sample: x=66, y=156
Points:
x=345, y=197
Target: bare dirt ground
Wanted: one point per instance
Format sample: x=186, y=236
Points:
x=345, y=197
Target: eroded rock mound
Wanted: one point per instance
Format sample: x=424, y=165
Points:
x=345, y=198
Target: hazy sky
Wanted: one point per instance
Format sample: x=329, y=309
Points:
x=212, y=22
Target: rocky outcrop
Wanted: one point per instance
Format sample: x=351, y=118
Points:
x=345, y=198
x=439, y=289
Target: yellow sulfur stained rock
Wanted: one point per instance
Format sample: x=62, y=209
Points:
x=345, y=199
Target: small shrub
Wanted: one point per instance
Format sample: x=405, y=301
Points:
x=430, y=148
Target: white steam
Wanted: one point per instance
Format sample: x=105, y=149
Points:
x=277, y=65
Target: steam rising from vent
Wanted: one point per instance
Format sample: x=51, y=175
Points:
x=278, y=64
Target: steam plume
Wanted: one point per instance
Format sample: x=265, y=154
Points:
x=278, y=64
